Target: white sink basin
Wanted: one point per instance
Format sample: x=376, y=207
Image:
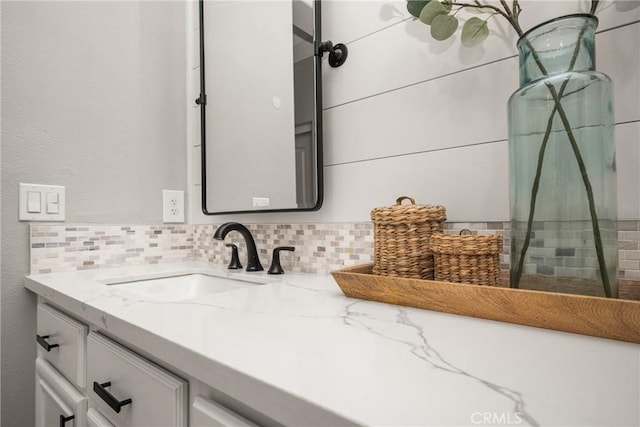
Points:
x=187, y=286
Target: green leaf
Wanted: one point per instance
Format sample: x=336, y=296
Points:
x=431, y=10
x=474, y=31
x=443, y=26
x=415, y=6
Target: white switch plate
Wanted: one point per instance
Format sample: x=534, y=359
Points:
x=172, y=206
x=51, y=200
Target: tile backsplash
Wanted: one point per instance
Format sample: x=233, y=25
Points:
x=56, y=248
x=319, y=247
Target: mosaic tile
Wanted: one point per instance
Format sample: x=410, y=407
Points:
x=320, y=247
x=56, y=248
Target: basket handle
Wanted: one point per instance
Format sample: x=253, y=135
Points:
x=400, y=199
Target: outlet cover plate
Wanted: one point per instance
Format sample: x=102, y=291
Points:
x=172, y=206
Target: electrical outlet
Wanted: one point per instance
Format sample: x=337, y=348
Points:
x=172, y=206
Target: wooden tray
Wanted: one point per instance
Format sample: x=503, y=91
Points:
x=599, y=317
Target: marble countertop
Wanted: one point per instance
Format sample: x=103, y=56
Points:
x=300, y=352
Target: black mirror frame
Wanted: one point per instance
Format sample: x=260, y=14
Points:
x=202, y=101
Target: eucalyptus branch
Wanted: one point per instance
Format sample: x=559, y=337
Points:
x=504, y=14
x=476, y=6
x=515, y=280
x=506, y=7
x=581, y=166
x=592, y=204
x=516, y=9
x=475, y=31
x=513, y=18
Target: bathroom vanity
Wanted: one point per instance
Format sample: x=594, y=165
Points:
x=296, y=351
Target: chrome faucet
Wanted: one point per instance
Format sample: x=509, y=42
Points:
x=253, y=261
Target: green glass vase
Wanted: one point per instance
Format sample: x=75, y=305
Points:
x=563, y=195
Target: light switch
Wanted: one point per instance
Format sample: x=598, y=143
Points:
x=33, y=202
x=41, y=202
x=52, y=203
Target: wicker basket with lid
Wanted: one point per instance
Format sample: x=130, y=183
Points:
x=401, y=238
x=467, y=258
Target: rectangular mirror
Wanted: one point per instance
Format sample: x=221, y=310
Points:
x=261, y=110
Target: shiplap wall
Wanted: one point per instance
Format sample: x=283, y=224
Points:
x=408, y=115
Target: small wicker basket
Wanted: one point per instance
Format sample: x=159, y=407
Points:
x=401, y=238
x=467, y=258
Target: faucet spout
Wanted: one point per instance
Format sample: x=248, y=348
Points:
x=253, y=261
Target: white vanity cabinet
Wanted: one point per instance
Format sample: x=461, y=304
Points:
x=86, y=379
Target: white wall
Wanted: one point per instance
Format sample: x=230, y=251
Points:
x=92, y=99
x=408, y=115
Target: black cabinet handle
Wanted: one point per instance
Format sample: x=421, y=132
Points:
x=63, y=419
x=42, y=340
x=109, y=398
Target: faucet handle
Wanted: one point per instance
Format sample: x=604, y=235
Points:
x=235, y=259
x=276, y=268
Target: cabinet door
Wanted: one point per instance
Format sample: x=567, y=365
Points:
x=62, y=343
x=58, y=403
x=130, y=390
x=207, y=413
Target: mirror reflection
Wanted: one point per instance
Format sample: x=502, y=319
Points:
x=261, y=125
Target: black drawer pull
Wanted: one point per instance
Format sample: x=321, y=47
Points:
x=109, y=398
x=42, y=340
x=63, y=419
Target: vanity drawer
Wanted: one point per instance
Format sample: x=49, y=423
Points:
x=62, y=342
x=130, y=390
x=207, y=413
